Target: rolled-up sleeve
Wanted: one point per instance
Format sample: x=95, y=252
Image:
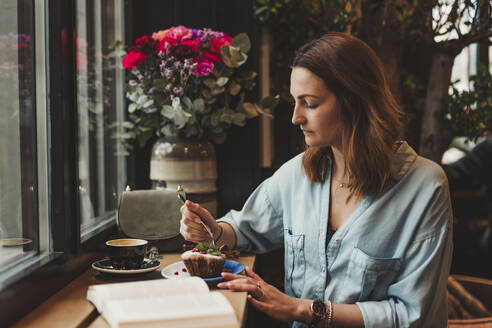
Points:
x=258, y=226
x=418, y=297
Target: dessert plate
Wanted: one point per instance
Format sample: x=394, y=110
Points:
x=178, y=270
x=107, y=267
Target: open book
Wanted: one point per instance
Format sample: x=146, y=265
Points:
x=178, y=303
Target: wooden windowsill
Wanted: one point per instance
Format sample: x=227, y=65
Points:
x=70, y=308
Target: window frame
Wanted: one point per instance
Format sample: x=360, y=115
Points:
x=66, y=255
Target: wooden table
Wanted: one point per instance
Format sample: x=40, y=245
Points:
x=70, y=308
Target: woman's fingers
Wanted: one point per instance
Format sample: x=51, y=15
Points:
x=190, y=215
x=200, y=212
x=252, y=274
x=232, y=276
x=256, y=303
x=191, y=226
x=192, y=218
x=243, y=285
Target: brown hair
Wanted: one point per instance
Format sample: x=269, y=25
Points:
x=370, y=117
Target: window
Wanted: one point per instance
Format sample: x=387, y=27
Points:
x=23, y=159
x=100, y=112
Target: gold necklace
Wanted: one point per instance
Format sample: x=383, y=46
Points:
x=340, y=185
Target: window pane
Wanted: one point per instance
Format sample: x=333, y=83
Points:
x=18, y=186
x=99, y=97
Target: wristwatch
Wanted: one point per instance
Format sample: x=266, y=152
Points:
x=318, y=310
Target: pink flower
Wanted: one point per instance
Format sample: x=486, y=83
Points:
x=179, y=33
x=193, y=44
x=133, y=59
x=211, y=56
x=158, y=36
x=217, y=43
x=203, y=66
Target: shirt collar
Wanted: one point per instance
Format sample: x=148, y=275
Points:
x=403, y=159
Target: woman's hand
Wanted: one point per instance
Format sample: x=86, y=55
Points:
x=265, y=297
x=191, y=227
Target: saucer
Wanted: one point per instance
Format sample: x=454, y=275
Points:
x=178, y=270
x=106, y=266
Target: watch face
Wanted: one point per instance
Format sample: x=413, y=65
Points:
x=319, y=308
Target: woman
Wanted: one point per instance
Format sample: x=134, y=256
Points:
x=366, y=223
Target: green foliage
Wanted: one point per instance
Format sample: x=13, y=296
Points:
x=209, y=248
x=470, y=112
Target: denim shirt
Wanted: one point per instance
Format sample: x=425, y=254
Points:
x=391, y=256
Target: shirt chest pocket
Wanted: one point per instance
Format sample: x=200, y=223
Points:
x=368, y=278
x=295, y=264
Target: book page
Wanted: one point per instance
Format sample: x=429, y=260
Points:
x=99, y=295
x=178, y=311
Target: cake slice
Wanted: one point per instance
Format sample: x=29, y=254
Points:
x=204, y=261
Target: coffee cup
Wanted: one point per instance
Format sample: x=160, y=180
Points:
x=127, y=254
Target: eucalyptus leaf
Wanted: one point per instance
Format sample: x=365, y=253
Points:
x=251, y=109
x=237, y=57
x=167, y=111
x=265, y=112
x=142, y=99
x=168, y=130
x=239, y=119
x=149, y=110
x=227, y=61
x=128, y=125
x=222, y=81
x=270, y=102
x=226, y=117
x=242, y=42
x=214, y=119
x=132, y=108
x=210, y=83
x=198, y=105
x=234, y=88
x=217, y=91
x=248, y=75
x=187, y=102
x=148, y=103
x=206, y=94
x=180, y=117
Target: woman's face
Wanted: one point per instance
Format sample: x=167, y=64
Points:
x=315, y=109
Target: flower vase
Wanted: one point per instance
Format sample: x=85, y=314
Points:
x=190, y=163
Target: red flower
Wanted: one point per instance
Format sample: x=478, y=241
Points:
x=180, y=51
x=133, y=59
x=217, y=43
x=193, y=44
x=210, y=56
x=144, y=44
x=161, y=46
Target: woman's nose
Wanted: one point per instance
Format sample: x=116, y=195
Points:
x=297, y=117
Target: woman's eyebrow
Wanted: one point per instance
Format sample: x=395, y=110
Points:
x=306, y=95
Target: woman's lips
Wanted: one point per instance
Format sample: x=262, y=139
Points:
x=307, y=132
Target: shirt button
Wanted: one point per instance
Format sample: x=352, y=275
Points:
x=337, y=240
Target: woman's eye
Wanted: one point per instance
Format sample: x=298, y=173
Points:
x=312, y=106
